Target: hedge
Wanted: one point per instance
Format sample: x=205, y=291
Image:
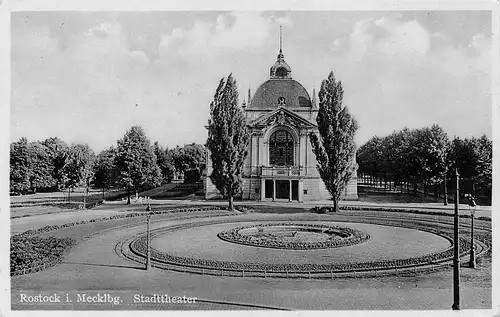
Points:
x=45, y=229
x=326, y=209
x=28, y=252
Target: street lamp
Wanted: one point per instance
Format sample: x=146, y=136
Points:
x=445, y=189
x=148, y=238
x=472, y=208
x=456, y=255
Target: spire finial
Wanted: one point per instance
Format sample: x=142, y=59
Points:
x=314, y=94
x=281, y=38
x=280, y=54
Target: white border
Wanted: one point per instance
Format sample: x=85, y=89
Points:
x=6, y=7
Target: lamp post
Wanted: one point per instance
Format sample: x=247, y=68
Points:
x=445, y=189
x=456, y=259
x=472, y=208
x=148, y=238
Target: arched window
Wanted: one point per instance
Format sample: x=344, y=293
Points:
x=281, y=72
x=281, y=148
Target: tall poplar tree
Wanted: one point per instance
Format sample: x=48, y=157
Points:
x=227, y=140
x=335, y=148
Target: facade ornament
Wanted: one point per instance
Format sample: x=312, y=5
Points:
x=280, y=118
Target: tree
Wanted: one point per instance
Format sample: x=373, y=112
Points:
x=20, y=166
x=41, y=176
x=335, y=148
x=135, y=161
x=104, y=170
x=484, y=150
x=437, y=153
x=403, y=154
x=58, y=151
x=190, y=160
x=227, y=140
x=473, y=158
x=165, y=162
x=369, y=156
x=423, y=156
x=78, y=168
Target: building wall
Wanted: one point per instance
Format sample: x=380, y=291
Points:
x=311, y=185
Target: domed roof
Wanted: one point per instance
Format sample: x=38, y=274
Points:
x=271, y=93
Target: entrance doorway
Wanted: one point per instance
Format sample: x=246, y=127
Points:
x=269, y=189
x=282, y=189
x=295, y=190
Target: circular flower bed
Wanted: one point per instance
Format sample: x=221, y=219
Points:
x=139, y=247
x=293, y=236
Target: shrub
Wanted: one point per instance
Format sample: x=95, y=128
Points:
x=324, y=209
x=245, y=209
x=28, y=252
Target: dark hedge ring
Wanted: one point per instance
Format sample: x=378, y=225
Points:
x=138, y=247
x=347, y=236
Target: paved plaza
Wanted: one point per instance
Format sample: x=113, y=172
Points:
x=96, y=264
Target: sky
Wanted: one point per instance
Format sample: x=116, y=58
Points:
x=87, y=77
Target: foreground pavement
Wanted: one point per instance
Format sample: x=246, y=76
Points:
x=94, y=265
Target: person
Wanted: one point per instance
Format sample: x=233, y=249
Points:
x=472, y=202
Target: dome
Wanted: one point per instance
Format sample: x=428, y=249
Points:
x=271, y=93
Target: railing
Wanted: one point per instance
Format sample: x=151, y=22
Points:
x=282, y=171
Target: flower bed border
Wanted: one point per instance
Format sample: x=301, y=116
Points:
x=35, y=267
x=355, y=237
x=128, y=215
x=138, y=247
x=320, y=209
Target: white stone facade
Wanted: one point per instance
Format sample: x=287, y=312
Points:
x=281, y=165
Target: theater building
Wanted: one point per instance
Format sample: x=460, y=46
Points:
x=281, y=165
